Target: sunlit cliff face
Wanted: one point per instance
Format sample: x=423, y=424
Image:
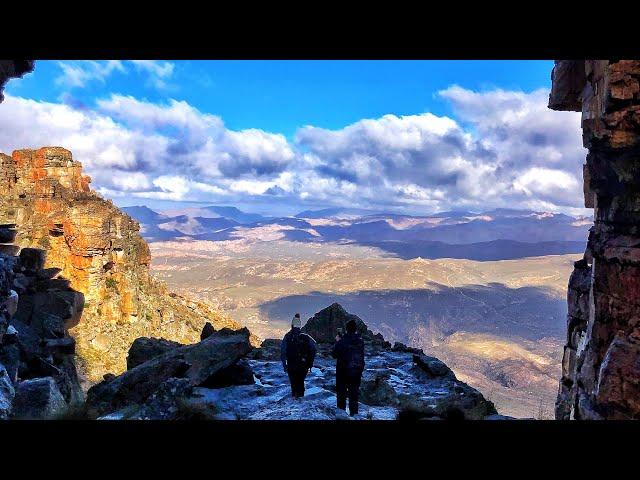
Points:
x=99, y=250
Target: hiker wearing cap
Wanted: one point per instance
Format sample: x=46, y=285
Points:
x=349, y=354
x=297, y=352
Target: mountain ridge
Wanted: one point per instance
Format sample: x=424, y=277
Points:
x=498, y=234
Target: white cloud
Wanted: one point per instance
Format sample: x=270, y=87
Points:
x=501, y=148
x=159, y=72
x=202, y=141
x=79, y=73
x=158, y=68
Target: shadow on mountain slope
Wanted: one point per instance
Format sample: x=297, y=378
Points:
x=530, y=313
x=504, y=341
x=481, y=251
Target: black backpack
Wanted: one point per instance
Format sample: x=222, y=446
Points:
x=355, y=356
x=298, y=350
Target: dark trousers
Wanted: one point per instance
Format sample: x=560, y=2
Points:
x=296, y=379
x=348, y=385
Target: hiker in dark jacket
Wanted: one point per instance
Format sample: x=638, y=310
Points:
x=297, y=352
x=349, y=352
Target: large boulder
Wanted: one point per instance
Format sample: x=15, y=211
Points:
x=324, y=325
x=197, y=363
x=51, y=313
x=269, y=350
x=144, y=349
x=433, y=367
x=39, y=398
x=166, y=401
x=240, y=373
x=450, y=401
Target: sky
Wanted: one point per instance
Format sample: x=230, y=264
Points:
x=277, y=137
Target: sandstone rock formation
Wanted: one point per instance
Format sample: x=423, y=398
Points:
x=600, y=369
x=98, y=250
x=13, y=69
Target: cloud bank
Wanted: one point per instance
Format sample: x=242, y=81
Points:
x=499, y=148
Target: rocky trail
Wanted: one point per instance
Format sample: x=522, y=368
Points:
x=269, y=398
x=397, y=381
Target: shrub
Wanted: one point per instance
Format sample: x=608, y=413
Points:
x=44, y=242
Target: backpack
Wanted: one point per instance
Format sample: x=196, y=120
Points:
x=298, y=352
x=355, y=356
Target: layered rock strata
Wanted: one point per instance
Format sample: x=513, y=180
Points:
x=601, y=364
x=98, y=249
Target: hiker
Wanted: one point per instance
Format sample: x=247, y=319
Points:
x=349, y=352
x=297, y=352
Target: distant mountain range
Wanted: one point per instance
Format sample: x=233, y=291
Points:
x=493, y=235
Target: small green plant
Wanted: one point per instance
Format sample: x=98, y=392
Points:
x=44, y=242
x=112, y=283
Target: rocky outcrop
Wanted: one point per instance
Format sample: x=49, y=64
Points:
x=197, y=364
x=324, y=326
x=222, y=377
x=38, y=399
x=144, y=349
x=395, y=381
x=600, y=374
x=98, y=250
x=13, y=69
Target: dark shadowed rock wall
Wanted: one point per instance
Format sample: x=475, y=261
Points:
x=601, y=365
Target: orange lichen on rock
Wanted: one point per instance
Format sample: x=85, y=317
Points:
x=97, y=248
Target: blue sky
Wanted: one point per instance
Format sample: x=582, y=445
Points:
x=281, y=96
x=410, y=136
